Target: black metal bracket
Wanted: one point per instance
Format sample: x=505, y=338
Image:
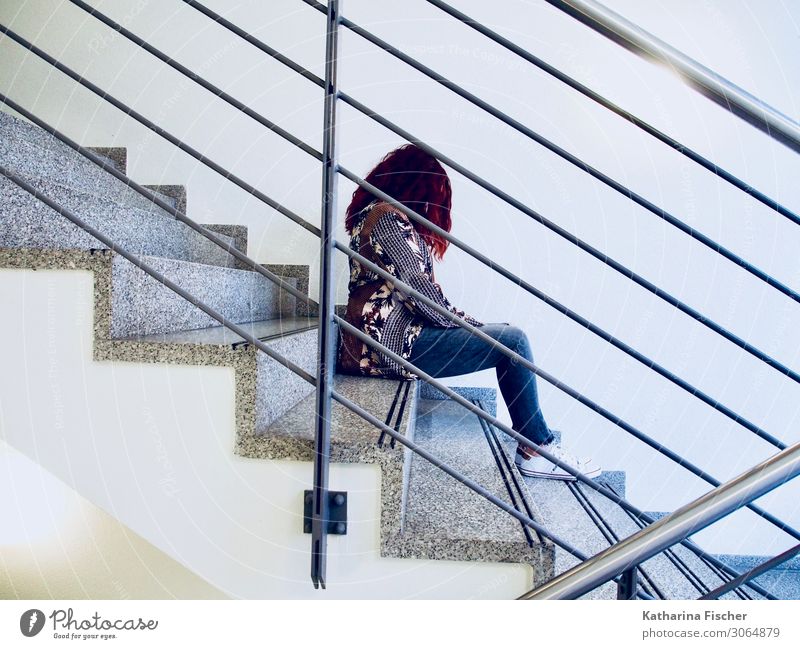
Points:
x=337, y=512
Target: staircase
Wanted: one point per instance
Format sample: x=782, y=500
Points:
x=425, y=514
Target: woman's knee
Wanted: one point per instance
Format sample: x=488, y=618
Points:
x=514, y=338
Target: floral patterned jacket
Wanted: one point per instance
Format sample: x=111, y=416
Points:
x=386, y=236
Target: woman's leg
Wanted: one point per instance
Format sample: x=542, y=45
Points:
x=443, y=352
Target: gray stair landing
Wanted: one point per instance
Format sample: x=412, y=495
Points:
x=445, y=519
x=93, y=194
x=264, y=330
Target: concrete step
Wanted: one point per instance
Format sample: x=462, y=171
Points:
x=93, y=194
x=142, y=305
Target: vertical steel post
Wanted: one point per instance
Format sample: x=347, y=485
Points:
x=322, y=442
x=628, y=584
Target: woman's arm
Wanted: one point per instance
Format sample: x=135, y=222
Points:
x=397, y=246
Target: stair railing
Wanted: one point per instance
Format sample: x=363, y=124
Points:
x=332, y=94
x=692, y=517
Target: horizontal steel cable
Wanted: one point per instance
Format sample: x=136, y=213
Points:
x=754, y=572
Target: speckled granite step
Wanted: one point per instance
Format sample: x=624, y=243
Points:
x=669, y=572
x=174, y=195
x=93, y=194
x=142, y=305
x=26, y=222
x=115, y=155
x=445, y=519
x=258, y=390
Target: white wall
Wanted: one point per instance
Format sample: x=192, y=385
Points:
x=753, y=44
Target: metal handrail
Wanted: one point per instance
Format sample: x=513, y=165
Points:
x=692, y=517
x=712, y=85
x=566, y=155
x=507, y=198
x=618, y=110
x=525, y=285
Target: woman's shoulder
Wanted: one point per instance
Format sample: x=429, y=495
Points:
x=378, y=208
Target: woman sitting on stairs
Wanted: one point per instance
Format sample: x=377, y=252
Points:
x=411, y=329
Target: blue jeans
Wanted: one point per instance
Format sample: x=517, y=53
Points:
x=441, y=352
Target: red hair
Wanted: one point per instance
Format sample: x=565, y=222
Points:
x=417, y=180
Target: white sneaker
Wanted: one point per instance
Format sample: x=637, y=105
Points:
x=539, y=466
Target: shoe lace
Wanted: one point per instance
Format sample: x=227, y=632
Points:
x=563, y=455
